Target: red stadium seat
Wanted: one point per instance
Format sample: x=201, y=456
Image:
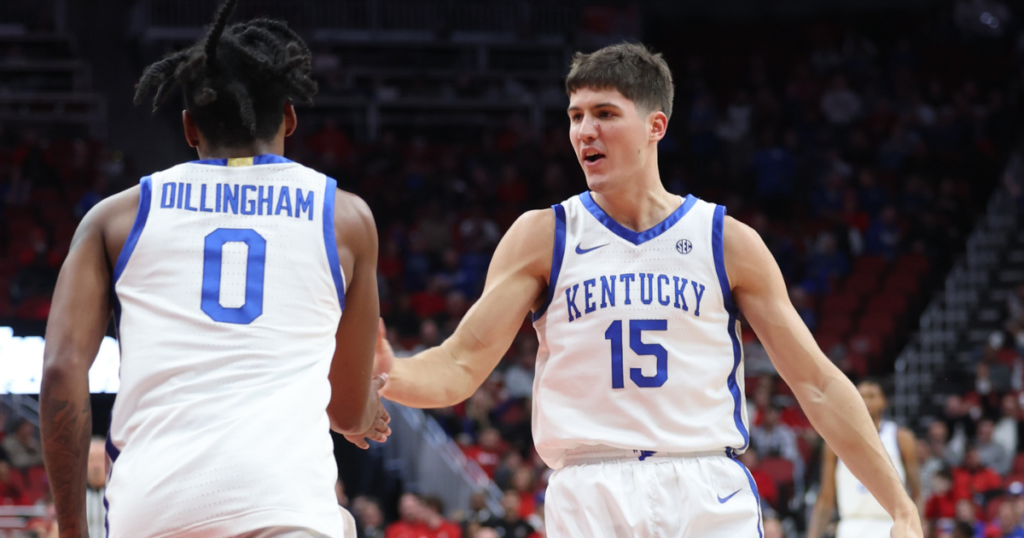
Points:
x=780, y=469
x=860, y=284
x=879, y=324
x=840, y=304
x=1018, y=464
x=902, y=283
x=912, y=263
x=894, y=305
x=828, y=340
x=869, y=265
x=992, y=509
x=836, y=324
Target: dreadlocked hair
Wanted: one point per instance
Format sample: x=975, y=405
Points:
x=236, y=80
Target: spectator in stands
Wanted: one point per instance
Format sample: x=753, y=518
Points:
x=974, y=480
x=930, y=464
x=478, y=510
x=12, y=489
x=369, y=517
x=487, y=532
x=96, y=482
x=519, y=376
x=990, y=453
x=1005, y=524
x=411, y=511
x=487, y=454
x=512, y=525
x=1006, y=431
x=967, y=512
x=774, y=439
x=522, y=482
x=434, y=524
x=22, y=447
x=840, y=104
x=773, y=528
x=942, y=503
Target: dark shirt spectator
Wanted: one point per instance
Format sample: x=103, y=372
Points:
x=512, y=525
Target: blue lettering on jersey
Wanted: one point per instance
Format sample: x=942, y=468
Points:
x=167, y=195
x=649, y=297
x=570, y=299
x=680, y=285
x=188, y=197
x=300, y=204
x=284, y=202
x=250, y=199
x=231, y=197
x=248, y=205
x=671, y=291
x=664, y=301
x=627, y=279
x=607, y=292
x=202, y=200
x=587, y=296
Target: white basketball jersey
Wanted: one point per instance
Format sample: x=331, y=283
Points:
x=639, y=343
x=853, y=499
x=228, y=294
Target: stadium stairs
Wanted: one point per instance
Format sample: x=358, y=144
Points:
x=964, y=313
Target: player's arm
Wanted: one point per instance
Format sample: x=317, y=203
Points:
x=829, y=399
x=908, y=452
x=354, y=401
x=826, y=503
x=78, y=320
x=516, y=280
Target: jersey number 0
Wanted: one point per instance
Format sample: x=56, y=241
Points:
x=213, y=257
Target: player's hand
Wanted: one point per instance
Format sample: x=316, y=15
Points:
x=380, y=430
x=384, y=357
x=907, y=526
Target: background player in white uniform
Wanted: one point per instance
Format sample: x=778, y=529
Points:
x=228, y=279
x=860, y=515
x=638, y=398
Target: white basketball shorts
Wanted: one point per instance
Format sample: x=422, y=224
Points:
x=863, y=528
x=349, y=530
x=610, y=493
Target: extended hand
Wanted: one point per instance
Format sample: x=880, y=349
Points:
x=384, y=357
x=380, y=430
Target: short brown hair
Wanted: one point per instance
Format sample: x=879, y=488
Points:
x=631, y=68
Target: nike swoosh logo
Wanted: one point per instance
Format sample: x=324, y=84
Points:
x=725, y=500
x=586, y=250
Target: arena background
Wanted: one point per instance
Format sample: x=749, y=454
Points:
x=873, y=144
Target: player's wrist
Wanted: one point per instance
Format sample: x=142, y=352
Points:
x=904, y=510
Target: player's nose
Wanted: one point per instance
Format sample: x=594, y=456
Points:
x=589, y=129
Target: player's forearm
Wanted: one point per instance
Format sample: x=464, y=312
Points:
x=837, y=412
x=430, y=379
x=66, y=427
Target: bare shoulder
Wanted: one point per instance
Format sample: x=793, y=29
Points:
x=529, y=243
x=353, y=221
x=111, y=221
x=746, y=256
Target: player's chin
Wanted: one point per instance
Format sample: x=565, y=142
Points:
x=598, y=181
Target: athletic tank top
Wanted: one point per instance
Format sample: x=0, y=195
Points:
x=639, y=345
x=228, y=294
x=853, y=499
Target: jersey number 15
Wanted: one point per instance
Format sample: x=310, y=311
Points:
x=636, y=329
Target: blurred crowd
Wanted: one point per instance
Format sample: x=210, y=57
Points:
x=833, y=141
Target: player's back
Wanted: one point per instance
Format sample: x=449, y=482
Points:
x=228, y=294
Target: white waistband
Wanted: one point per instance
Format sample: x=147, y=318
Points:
x=598, y=453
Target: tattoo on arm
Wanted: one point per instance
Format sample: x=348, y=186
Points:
x=66, y=430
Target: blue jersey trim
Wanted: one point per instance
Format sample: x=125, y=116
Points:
x=329, y=241
x=753, y=487
x=636, y=238
x=268, y=158
x=556, y=260
x=145, y=195
x=717, y=247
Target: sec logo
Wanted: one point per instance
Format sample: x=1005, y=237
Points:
x=684, y=246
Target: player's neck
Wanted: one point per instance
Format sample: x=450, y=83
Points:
x=638, y=205
x=260, y=147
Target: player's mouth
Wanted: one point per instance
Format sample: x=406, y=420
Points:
x=592, y=157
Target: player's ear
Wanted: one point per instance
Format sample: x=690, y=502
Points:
x=658, y=123
x=291, y=121
x=191, y=131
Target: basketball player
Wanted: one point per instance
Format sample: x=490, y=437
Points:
x=228, y=277
x=635, y=293
x=860, y=515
